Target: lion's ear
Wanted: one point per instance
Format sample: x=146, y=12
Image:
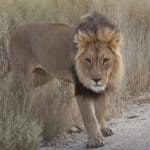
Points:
x=40, y=76
x=116, y=41
x=81, y=39
x=112, y=37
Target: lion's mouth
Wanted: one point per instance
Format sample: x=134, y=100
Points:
x=97, y=88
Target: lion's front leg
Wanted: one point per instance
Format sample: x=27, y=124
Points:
x=100, y=114
x=86, y=106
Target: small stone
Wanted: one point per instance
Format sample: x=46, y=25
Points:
x=73, y=130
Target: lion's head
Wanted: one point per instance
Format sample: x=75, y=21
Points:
x=97, y=61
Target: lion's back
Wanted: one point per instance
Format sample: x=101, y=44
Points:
x=45, y=44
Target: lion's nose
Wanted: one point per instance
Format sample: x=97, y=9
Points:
x=96, y=79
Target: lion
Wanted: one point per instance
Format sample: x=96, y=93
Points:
x=87, y=54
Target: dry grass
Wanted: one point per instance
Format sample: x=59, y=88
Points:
x=133, y=19
x=18, y=131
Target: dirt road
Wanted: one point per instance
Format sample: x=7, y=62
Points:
x=131, y=132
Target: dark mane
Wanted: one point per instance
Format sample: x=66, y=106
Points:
x=93, y=22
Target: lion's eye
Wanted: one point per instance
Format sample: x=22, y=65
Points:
x=88, y=60
x=106, y=60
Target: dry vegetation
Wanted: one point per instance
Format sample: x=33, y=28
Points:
x=18, y=129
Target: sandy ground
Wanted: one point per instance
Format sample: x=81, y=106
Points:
x=131, y=132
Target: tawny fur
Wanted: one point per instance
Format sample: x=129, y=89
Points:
x=46, y=49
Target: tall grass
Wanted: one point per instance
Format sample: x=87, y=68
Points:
x=133, y=19
x=18, y=131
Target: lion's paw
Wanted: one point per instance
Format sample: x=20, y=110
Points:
x=106, y=132
x=95, y=143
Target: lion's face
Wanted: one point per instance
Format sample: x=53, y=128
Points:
x=94, y=66
x=98, y=60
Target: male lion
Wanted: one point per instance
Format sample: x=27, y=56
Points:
x=91, y=51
